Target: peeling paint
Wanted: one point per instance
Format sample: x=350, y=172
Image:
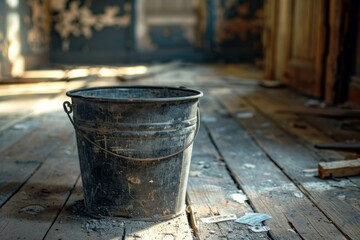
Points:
x=224, y=29
x=58, y=5
x=79, y=20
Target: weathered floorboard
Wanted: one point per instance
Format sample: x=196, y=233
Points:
x=292, y=157
x=209, y=193
x=73, y=223
x=177, y=228
x=293, y=215
x=21, y=107
x=17, y=166
x=265, y=158
x=38, y=202
x=14, y=134
x=305, y=129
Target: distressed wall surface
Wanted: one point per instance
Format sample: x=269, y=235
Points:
x=90, y=25
x=24, y=35
x=90, y=31
x=239, y=26
x=103, y=32
x=130, y=31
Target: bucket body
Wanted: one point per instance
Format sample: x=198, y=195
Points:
x=134, y=146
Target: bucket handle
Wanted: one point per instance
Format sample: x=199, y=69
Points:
x=68, y=108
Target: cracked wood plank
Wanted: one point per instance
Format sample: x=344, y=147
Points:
x=293, y=157
x=176, y=228
x=210, y=189
x=73, y=223
x=20, y=107
x=17, y=166
x=269, y=189
x=22, y=159
x=310, y=131
x=37, y=203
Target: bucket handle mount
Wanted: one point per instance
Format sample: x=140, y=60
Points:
x=68, y=108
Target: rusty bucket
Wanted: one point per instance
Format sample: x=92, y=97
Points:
x=134, y=146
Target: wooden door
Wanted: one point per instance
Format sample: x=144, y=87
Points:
x=305, y=46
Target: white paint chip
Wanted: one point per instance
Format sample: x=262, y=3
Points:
x=20, y=127
x=298, y=195
x=341, y=197
x=245, y=115
x=239, y=197
x=249, y=165
x=217, y=219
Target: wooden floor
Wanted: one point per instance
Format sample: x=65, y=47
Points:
x=252, y=140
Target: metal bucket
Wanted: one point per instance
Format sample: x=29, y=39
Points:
x=134, y=146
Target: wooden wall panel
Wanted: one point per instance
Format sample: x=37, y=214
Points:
x=332, y=64
x=305, y=46
x=270, y=38
x=354, y=87
x=343, y=51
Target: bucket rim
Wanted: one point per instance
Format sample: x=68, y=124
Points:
x=197, y=94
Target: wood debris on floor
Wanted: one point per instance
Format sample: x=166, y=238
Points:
x=336, y=169
x=257, y=151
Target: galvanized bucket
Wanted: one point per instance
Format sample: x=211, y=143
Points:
x=134, y=146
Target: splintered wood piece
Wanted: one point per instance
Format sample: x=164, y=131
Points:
x=344, y=168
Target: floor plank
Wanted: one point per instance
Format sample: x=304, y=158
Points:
x=293, y=216
x=17, y=166
x=177, y=228
x=73, y=223
x=340, y=129
x=18, y=108
x=306, y=129
x=38, y=202
x=210, y=190
x=15, y=133
x=242, y=144
x=292, y=157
